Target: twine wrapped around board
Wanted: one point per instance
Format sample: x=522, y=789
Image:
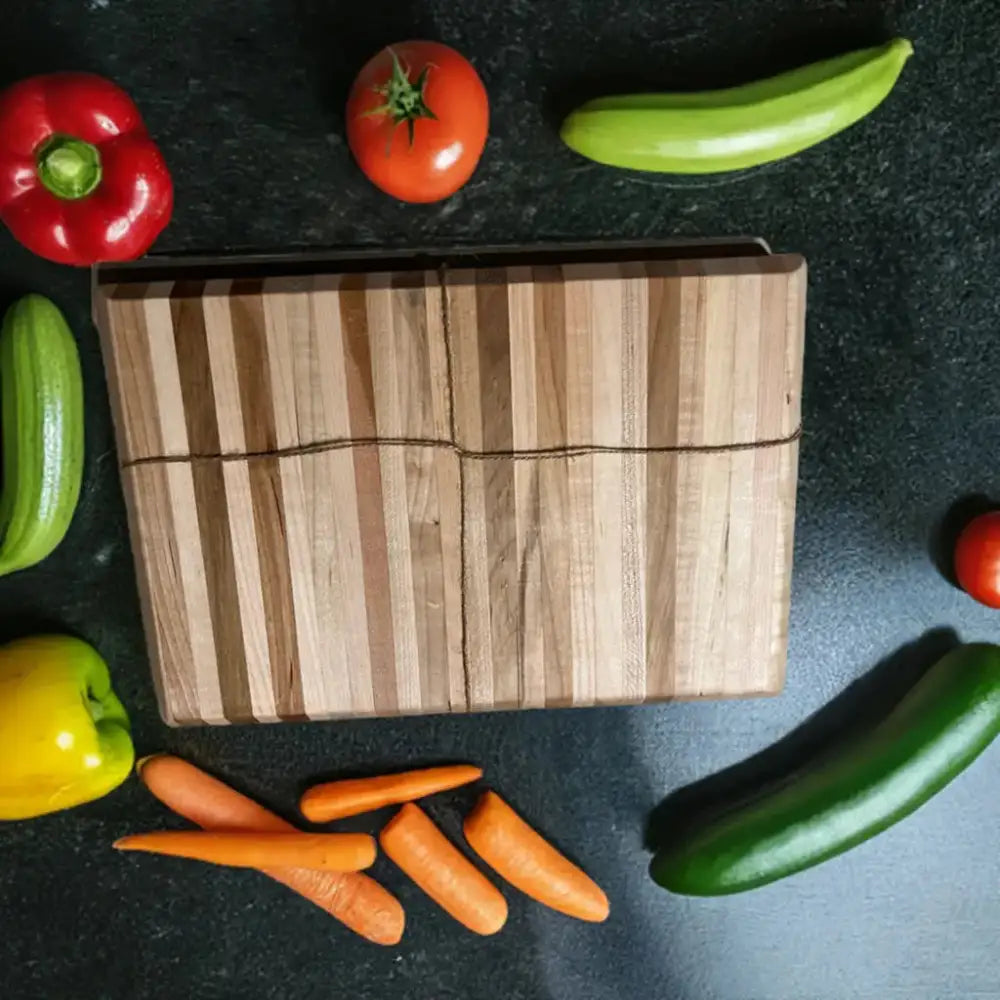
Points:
x=449, y=491
x=318, y=447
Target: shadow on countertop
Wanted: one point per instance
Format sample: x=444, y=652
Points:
x=855, y=709
x=941, y=545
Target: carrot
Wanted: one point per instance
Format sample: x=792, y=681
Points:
x=354, y=899
x=413, y=841
x=324, y=852
x=530, y=863
x=337, y=799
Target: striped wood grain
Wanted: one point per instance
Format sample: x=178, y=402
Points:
x=411, y=576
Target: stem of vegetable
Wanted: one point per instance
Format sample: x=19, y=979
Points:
x=70, y=168
x=402, y=100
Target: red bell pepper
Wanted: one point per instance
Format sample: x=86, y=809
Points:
x=80, y=179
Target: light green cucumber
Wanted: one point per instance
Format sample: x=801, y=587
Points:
x=740, y=127
x=41, y=406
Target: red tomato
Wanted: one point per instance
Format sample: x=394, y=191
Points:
x=977, y=559
x=417, y=118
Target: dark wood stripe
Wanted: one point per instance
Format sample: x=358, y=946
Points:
x=246, y=309
x=499, y=498
x=138, y=426
x=197, y=388
x=550, y=357
x=664, y=362
x=368, y=483
x=131, y=292
x=493, y=329
x=371, y=524
x=223, y=597
x=276, y=588
x=357, y=357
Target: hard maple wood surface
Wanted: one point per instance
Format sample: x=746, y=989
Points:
x=434, y=491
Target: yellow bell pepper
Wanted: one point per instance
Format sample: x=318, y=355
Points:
x=64, y=735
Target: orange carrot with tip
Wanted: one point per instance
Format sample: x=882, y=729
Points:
x=321, y=852
x=417, y=846
x=351, y=797
x=530, y=863
x=356, y=900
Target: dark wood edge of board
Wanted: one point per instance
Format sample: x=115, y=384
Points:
x=201, y=267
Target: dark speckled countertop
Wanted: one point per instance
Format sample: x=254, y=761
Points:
x=900, y=221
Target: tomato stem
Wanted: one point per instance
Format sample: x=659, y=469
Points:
x=403, y=100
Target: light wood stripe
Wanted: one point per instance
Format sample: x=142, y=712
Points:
x=281, y=334
x=413, y=384
x=162, y=589
x=528, y=624
x=388, y=368
x=664, y=582
x=161, y=368
x=740, y=651
x=479, y=656
x=555, y=527
x=297, y=502
x=327, y=345
x=399, y=561
x=774, y=665
x=460, y=293
x=347, y=585
x=408, y=578
x=303, y=347
x=607, y=409
x=579, y=334
x=393, y=359
x=224, y=368
x=635, y=386
x=330, y=685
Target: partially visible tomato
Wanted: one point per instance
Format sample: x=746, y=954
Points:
x=417, y=118
x=977, y=559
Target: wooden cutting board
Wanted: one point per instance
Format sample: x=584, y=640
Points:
x=460, y=489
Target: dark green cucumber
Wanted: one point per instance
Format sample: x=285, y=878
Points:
x=949, y=717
